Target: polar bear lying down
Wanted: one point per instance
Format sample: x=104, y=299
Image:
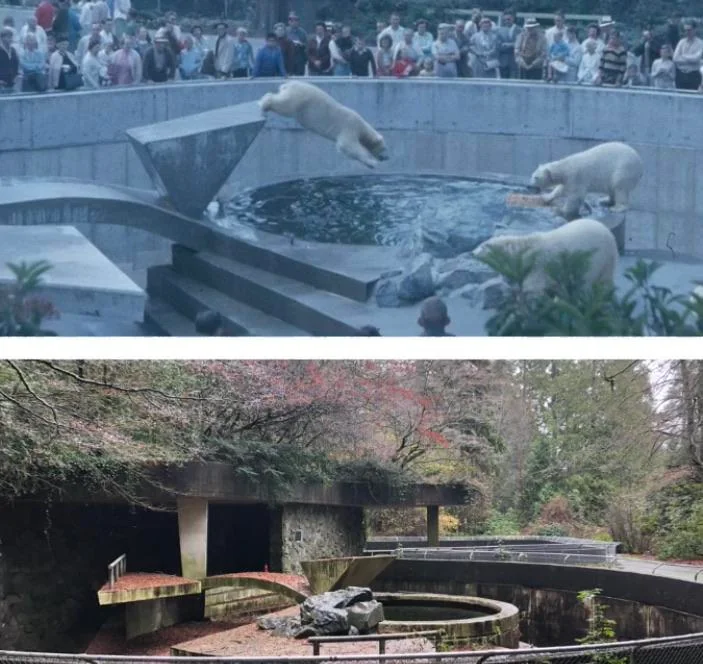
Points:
x=579, y=235
x=316, y=111
x=611, y=168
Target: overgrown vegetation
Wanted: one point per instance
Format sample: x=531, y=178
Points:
x=600, y=628
x=22, y=312
x=571, y=307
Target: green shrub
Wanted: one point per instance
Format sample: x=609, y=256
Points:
x=552, y=530
x=571, y=309
x=502, y=523
x=21, y=312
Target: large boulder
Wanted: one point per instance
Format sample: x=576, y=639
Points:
x=418, y=283
x=279, y=626
x=326, y=613
x=364, y=616
x=461, y=271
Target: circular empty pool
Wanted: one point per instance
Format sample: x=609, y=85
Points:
x=464, y=621
x=446, y=215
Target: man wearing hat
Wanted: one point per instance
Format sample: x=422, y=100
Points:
x=531, y=51
x=299, y=37
x=9, y=61
x=606, y=26
x=159, y=62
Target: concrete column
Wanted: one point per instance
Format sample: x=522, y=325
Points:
x=192, y=533
x=433, y=525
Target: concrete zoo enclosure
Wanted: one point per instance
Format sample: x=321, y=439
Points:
x=461, y=129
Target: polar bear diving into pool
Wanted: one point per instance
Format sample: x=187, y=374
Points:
x=316, y=111
x=580, y=235
x=613, y=168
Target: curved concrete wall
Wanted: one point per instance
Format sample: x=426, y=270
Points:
x=432, y=126
x=642, y=605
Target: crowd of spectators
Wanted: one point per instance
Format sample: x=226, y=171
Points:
x=96, y=43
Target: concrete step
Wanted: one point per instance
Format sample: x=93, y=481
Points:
x=307, y=308
x=162, y=320
x=189, y=297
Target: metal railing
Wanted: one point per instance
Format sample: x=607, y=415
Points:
x=116, y=569
x=669, y=650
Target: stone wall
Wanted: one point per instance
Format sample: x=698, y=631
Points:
x=53, y=560
x=460, y=128
x=312, y=531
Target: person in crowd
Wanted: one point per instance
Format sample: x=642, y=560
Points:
x=222, y=54
x=105, y=60
x=126, y=64
x=74, y=25
x=33, y=66
x=406, y=58
x=86, y=17
x=9, y=61
x=9, y=23
x=190, y=60
x=606, y=27
x=663, y=73
x=557, y=68
x=464, y=44
x=31, y=27
x=132, y=23
x=673, y=30
x=484, y=47
x=361, y=59
x=242, y=55
x=82, y=47
x=633, y=78
x=210, y=323
x=91, y=67
x=172, y=25
x=159, y=63
x=647, y=52
x=531, y=51
x=380, y=27
x=107, y=34
x=687, y=58
x=300, y=39
x=319, y=59
x=508, y=34
x=423, y=39
x=63, y=68
x=427, y=67
x=384, y=56
x=434, y=318
x=286, y=45
x=199, y=43
x=122, y=8
x=395, y=31
x=590, y=64
x=613, y=63
x=50, y=46
x=558, y=27
x=269, y=59
x=593, y=34
x=61, y=26
x=573, y=60
x=344, y=43
x=142, y=42
x=173, y=33
x=445, y=53
x=44, y=13
x=473, y=26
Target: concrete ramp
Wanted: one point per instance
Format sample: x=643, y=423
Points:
x=288, y=585
x=190, y=158
x=334, y=573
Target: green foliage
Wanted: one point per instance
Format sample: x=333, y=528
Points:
x=502, y=523
x=552, y=530
x=569, y=308
x=21, y=312
x=600, y=628
x=677, y=521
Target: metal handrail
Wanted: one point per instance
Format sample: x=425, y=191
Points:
x=116, y=569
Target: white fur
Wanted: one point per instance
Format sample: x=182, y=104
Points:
x=613, y=168
x=316, y=111
x=579, y=235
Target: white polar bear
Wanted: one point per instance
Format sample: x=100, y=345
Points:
x=611, y=168
x=316, y=111
x=579, y=235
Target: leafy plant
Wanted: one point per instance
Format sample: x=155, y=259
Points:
x=600, y=628
x=569, y=308
x=21, y=312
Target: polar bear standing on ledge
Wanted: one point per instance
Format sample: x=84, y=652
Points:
x=315, y=110
x=579, y=235
x=611, y=168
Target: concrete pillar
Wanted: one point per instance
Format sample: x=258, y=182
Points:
x=433, y=525
x=192, y=534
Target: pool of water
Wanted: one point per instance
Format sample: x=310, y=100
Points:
x=411, y=612
x=445, y=216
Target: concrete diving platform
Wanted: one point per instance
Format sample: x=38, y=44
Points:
x=145, y=586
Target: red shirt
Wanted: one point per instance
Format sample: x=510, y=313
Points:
x=44, y=14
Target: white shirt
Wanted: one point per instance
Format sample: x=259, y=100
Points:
x=122, y=8
x=396, y=35
x=550, y=32
x=91, y=70
x=38, y=32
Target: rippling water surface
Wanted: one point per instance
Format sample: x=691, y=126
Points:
x=383, y=209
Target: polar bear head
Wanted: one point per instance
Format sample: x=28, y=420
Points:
x=266, y=102
x=375, y=144
x=512, y=244
x=542, y=177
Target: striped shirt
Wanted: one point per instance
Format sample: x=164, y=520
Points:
x=613, y=64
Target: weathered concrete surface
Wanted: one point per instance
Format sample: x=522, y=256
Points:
x=82, y=280
x=192, y=533
x=146, y=617
x=326, y=574
x=190, y=158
